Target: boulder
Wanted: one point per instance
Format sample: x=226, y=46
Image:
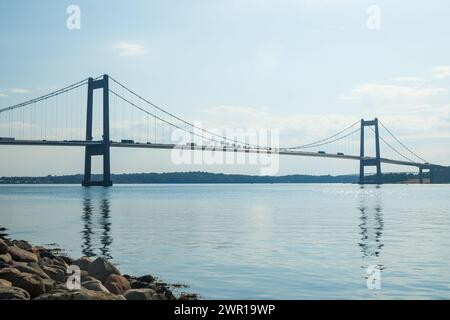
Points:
x=3, y=247
x=5, y=258
x=80, y=295
x=59, y=287
x=22, y=244
x=101, y=269
x=141, y=294
x=147, y=278
x=5, y=283
x=86, y=277
x=31, y=283
x=32, y=268
x=22, y=255
x=45, y=261
x=55, y=273
x=83, y=263
x=117, y=284
x=165, y=293
x=57, y=261
x=59, y=267
x=136, y=284
x=94, y=285
x=46, y=253
x=188, y=296
x=13, y=293
x=10, y=274
x=67, y=260
x=49, y=284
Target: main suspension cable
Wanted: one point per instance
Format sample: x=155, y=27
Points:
x=320, y=142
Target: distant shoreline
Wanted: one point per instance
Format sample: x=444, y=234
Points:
x=209, y=178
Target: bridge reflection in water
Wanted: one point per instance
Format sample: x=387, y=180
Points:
x=371, y=226
x=96, y=231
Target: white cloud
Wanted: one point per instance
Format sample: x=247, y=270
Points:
x=422, y=131
x=20, y=91
x=294, y=128
x=129, y=49
x=441, y=72
x=415, y=109
x=5, y=92
x=387, y=92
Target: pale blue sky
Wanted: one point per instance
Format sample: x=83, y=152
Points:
x=306, y=67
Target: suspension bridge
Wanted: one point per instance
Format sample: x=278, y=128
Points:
x=102, y=113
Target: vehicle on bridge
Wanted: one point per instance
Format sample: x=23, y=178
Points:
x=321, y=152
x=340, y=154
x=127, y=141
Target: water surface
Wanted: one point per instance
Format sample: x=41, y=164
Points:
x=251, y=241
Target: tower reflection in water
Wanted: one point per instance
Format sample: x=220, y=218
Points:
x=371, y=225
x=96, y=231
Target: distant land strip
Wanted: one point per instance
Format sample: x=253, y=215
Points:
x=206, y=177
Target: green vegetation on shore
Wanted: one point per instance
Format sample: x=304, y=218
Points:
x=204, y=177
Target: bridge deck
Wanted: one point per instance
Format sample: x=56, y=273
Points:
x=75, y=143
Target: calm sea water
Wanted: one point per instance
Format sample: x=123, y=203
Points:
x=251, y=241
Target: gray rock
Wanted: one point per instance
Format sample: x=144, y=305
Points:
x=3, y=247
x=80, y=295
x=5, y=283
x=165, y=293
x=22, y=255
x=13, y=293
x=10, y=274
x=136, y=284
x=31, y=283
x=148, y=278
x=83, y=263
x=188, y=296
x=101, y=269
x=22, y=244
x=67, y=260
x=59, y=287
x=5, y=258
x=141, y=294
x=94, y=285
x=32, y=268
x=57, y=261
x=86, y=277
x=117, y=284
x=49, y=284
x=45, y=261
x=55, y=273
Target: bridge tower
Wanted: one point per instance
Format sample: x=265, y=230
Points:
x=102, y=149
x=372, y=162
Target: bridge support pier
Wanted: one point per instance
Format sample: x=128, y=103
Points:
x=432, y=175
x=104, y=148
x=421, y=175
x=376, y=162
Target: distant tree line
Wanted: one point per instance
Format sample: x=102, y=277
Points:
x=205, y=177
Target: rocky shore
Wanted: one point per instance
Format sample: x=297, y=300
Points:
x=32, y=272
